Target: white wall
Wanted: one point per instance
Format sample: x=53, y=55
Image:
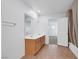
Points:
x=55, y=16
x=52, y=31
x=35, y=26
x=13, y=37
x=45, y=20
x=42, y=25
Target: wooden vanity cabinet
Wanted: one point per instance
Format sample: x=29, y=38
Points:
x=32, y=46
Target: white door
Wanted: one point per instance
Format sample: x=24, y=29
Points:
x=63, y=31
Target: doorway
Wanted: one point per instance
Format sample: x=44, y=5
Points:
x=58, y=31
x=52, y=31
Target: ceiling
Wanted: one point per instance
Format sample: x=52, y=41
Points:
x=48, y=7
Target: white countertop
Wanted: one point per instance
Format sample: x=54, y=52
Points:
x=34, y=37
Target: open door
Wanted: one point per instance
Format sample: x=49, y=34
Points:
x=63, y=31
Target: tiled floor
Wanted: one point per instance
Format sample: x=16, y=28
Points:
x=52, y=52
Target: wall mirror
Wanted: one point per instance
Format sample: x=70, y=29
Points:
x=27, y=24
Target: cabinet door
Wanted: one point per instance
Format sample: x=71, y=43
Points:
x=29, y=47
x=36, y=45
x=42, y=40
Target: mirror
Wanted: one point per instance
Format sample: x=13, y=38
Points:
x=27, y=24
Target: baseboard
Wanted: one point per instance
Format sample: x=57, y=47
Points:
x=74, y=49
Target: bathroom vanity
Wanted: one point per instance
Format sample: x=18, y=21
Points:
x=33, y=44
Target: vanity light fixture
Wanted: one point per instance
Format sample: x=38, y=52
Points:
x=33, y=14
